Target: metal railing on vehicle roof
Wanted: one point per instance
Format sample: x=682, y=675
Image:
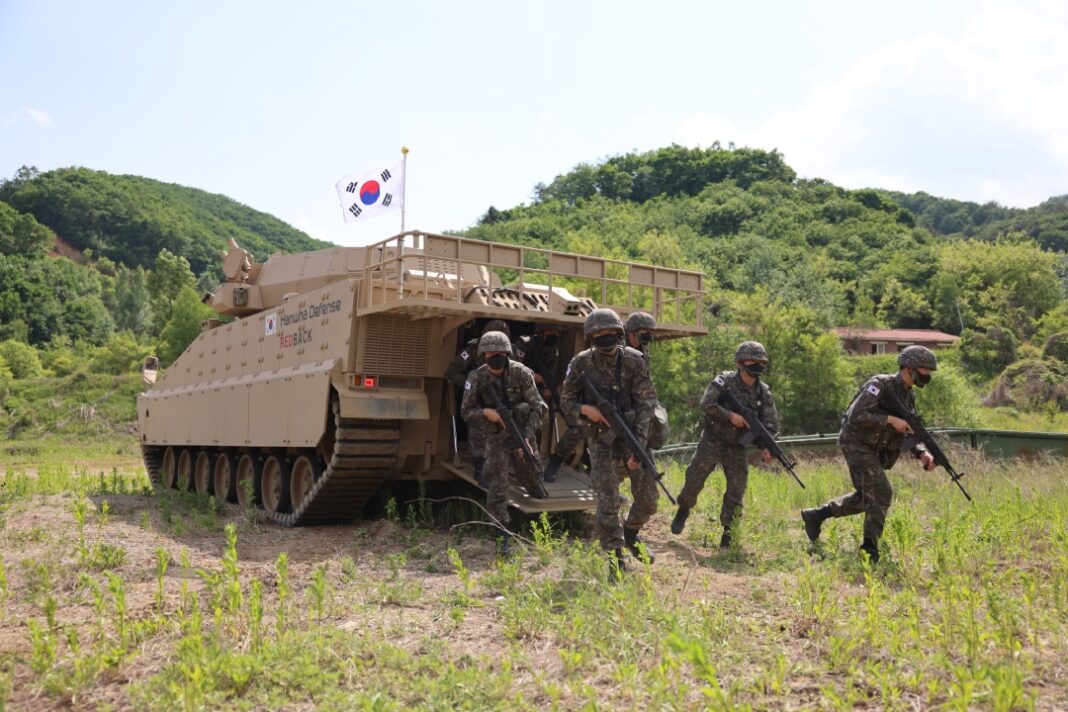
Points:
x=424, y=266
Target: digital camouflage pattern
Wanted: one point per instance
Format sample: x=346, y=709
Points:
x=465, y=362
x=640, y=320
x=751, y=351
x=521, y=394
x=494, y=342
x=719, y=444
x=635, y=397
x=600, y=320
x=871, y=447
x=917, y=357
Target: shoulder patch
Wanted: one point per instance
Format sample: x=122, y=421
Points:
x=873, y=389
x=718, y=380
x=464, y=355
x=467, y=386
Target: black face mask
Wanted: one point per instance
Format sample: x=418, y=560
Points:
x=549, y=340
x=497, y=361
x=754, y=369
x=645, y=338
x=606, y=343
x=921, y=379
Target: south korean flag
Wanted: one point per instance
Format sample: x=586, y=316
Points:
x=369, y=196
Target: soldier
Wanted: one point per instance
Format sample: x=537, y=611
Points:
x=466, y=361
x=722, y=432
x=871, y=440
x=620, y=373
x=456, y=374
x=515, y=384
x=639, y=330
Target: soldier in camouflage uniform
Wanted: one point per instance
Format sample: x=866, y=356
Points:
x=871, y=440
x=619, y=373
x=541, y=354
x=515, y=384
x=639, y=329
x=456, y=374
x=719, y=444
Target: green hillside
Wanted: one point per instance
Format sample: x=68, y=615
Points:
x=130, y=219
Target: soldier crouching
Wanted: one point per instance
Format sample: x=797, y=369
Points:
x=515, y=386
x=620, y=374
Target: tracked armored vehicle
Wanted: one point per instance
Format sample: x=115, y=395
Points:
x=328, y=381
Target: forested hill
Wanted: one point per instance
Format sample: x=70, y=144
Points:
x=865, y=257
x=130, y=219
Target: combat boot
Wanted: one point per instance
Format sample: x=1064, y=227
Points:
x=504, y=546
x=813, y=519
x=870, y=547
x=679, y=522
x=634, y=542
x=480, y=462
x=551, y=468
x=725, y=540
x=616, y=566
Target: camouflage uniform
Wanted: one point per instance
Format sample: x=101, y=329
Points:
x=624, y=377
x=871, y=447
x=719, y=444
x=659, y=431
x=521, y=394
x=465, y=362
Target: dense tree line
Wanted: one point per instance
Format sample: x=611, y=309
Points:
x=787, y=258
x=130, y=219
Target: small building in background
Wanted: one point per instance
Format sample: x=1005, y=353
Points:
x=890, y=341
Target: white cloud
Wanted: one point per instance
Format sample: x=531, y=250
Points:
x=982, y=115
x=38, y=117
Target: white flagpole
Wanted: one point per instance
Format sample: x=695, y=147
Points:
x=404, y=183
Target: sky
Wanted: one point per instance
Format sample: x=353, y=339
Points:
x=271, y=103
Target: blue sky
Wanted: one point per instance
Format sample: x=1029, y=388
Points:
x=271, y=103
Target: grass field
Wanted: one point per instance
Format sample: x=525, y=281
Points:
x=114, y=598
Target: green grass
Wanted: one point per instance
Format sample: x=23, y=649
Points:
x=967, y=610
x=1014, y=419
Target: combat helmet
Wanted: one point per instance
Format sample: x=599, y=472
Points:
x=751, y=351
x=917, y=357
x=600, y=320
x=494, y=342
x=640, y=320
x=496, y=325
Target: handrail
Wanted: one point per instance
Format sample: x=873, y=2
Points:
x=670, y=289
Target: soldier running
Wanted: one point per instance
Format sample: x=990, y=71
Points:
x=621, y=372
x=515, y=383
x=871, y=440
x=723, y=430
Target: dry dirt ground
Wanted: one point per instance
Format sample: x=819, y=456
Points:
x=44, y=530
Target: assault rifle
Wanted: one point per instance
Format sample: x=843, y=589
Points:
x=615, y=421
x=920, y=434
x=759, y=435
x=499, y=405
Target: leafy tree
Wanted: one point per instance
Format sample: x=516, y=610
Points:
x=121, y=354
x=21, y=234
x=1056, y=347
x=988, y=353
x=129, y=301
x=184, y=326
x=170, y=275
x=21, y=359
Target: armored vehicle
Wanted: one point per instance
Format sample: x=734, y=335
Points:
x=328, y=379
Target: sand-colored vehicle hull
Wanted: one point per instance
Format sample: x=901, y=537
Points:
x=328, y=382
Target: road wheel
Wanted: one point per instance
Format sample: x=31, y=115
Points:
x=202, y=473
x=248, y=481
x=305, y=473
x=274, y=484
x=224, y=481
x=185, y=470
x=169, y=470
